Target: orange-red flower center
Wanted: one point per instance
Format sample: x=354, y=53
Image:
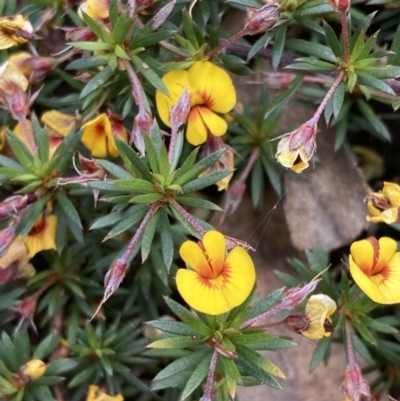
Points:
x=39, y=226
x=376, y=266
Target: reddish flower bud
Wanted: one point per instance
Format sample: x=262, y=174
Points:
x=25, y=311
x=79, y=34
x=141, y=125
x=180, y=110
x=355, y=386
x=14, y=99
x=295, y=296
x=34, y=68
x=340, y=5
x=233, y=197
x=262, y=19
x=12, y=205
x=113, y=280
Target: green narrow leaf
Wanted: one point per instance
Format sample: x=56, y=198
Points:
x=338, y=99
x=187, y=317
x=149, y=74
x=20, y=151
x=266, y=303
x=205, y=181
x=97, y=81
x=68, y=208
x=312, y=49
x=131, y=158
x=30, y=217
x=279, y=43
x=148, y=235
x=364, y=332
x=373, y=119
x=167, y=243
x=321, y=349
x=285, y=96
x=198, y=375
x=261, y=44
x=41, y=139
x=169, y=326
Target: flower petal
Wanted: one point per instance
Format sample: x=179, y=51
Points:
x=387, y=248
x=215, y=246
x=362, y=253
x=194, y=256
x=240, y=276
x=211, y=87
x=196, y=132
x=381, y=288
x=175, y=81
x=44, y=239
x=200, y=293
x=215, y=124
x=387, y=216
x=96, y=135
x=59, y=122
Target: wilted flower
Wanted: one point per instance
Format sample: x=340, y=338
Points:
x=262, y=19
x=32, y=370
x=25, y=311
x=98, y=135
x=95, y=393
x=96, y=9
x=14, y=30
x=14, y=262
x=13, y=86
x=375, y=267
x=384, y=206
x=296, y=148
x=355, y=386
x=20, y=133
x=214, y=282
x=34, y=68
x=7, y=236
x=211, y=91
x=315, y=323
x=226, y=161
x=42, y=235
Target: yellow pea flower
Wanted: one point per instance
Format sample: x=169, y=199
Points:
x=211, y=91
x=42, y=236
x=375, y=267
x=98, y=135
x=32, y=370
x=319, y=308
x=97, y=394
x=14, y=30
x=216, y=283
x=384, y=206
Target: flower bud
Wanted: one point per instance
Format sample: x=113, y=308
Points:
x=295, y=296
x=180, y=110
x=14, y=99
x=81, y=34
x=340, y=5
x=262, y=19
x=32, y=370
x=141, y=125
x=34, y=68
x=14, y=204
x=355, y=386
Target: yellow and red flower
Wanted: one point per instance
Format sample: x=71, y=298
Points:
x=211, y=91
x=98, y=135
x=215, y=282
x=384, y=206
x=375, y=267
x=42, y=236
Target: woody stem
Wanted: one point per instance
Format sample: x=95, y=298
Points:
x=125, y=258
x=28, y=133
x=226, y=43
x=210, y=379
x=188, y=217
x=349, y=346
x=255, y=153
x=317, y=115
x=345, y=35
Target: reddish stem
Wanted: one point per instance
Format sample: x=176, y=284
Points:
x=225, y=43
x=210, y=379
x=345, y=35
x=188, y=217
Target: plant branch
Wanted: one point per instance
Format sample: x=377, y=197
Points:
x=210, y=379
x=345, y=35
